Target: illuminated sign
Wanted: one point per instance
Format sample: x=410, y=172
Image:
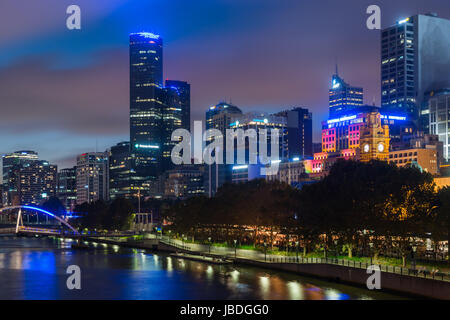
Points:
x=146, y=146
x=403, y=21
x=342, y=119
x=240, y=167
x=393, y=117
x=336, y=84
x=146, y=35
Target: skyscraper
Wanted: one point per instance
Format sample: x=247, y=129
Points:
x=183, y=90
x=219, y=117
x=36, y=182
x=343, y=98
x=67, y=187
x=414, y=59
x=155, y=112
x=11, y=162
x=120, y=171
x=439, y=116
x=299, y=132
x=92, y=177
x=146, y=100
x=171, y=119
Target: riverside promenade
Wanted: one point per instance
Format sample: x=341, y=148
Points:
x=405, y=280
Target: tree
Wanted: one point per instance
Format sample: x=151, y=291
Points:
x=55, y=206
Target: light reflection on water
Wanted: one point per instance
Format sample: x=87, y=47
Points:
x=35, y=268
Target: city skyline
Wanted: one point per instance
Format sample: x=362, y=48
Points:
x=89, y=78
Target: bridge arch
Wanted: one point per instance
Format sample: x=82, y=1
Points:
x=38, y=210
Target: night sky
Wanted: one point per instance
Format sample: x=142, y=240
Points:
x=66, y=92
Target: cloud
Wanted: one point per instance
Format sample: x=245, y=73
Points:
x=92, y=100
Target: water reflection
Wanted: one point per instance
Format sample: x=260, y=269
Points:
x=32, y=268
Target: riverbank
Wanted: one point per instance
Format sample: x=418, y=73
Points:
x=355, y=274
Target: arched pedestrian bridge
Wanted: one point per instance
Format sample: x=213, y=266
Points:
x=21, y=229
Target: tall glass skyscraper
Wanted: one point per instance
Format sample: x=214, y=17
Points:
x=155, y=112
x=146, y=82
x=183, y=89
x=343, y=98
x=414, y=59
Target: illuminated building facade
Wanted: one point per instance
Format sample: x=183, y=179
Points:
x=439, y=118
x=257, y=121
x=219, y=117
x=155, y=111
x=322, y=162
x=67, y=187
x=414, y=60
x=183, y=90
x=343, y=98
x=92, y=177
x=120, y=171
x=11, y=163
x=299, y=132
x=292, y=172
x=343, y=132
x=146, y=101
x=184, y=181
x=36, y=182
x=374, y=139
x=425, y=159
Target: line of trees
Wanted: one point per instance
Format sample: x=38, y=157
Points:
x=355, y=204
x=101, y=215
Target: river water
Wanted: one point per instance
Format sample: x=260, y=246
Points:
x=35, y=268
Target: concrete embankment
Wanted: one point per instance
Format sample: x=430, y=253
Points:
x=389, y=281
x=417, y=286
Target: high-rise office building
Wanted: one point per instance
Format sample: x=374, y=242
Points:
x=36, y=182
x=67, y=187
x=155, y=112
x=299, y=132
x=146, y=101
x=414, y=59
x=256, y=121
x=120, y=171
x=343, y=98
x=183, y=90
x=184, y=181
x=439, y=117
x=92, y=177
x=171, y=119
x=11, y=162
x=219, y=117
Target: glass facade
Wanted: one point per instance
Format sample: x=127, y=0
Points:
x=439, y=117
x=414, y=59
x=146, y=102
x=67, y=188
x=343, y=98
x=120, y=171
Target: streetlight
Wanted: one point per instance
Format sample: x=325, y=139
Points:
x=265, y=251
x=414, y=248
x=209, y=239
x=370, y=251
x=296, y=250
x=336, y=248
x=235, y=248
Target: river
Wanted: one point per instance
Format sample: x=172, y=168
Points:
x=35, y=268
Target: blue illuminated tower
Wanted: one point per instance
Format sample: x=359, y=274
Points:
x=146, y=99
x=343, y=98
x=155, y=112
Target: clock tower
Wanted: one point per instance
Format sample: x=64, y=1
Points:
x=374, y=139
